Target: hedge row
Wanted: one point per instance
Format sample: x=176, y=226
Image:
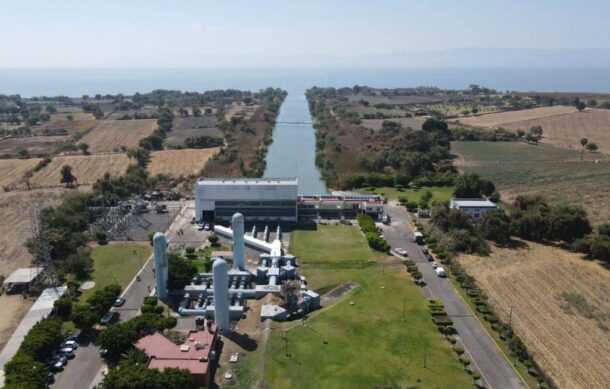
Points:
x=376, y=242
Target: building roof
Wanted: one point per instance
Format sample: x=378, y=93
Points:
x=24, y=275
x=473, y=203
x=247, y=181
x=193, y=355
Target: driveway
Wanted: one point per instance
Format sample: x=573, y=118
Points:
x=495, y=368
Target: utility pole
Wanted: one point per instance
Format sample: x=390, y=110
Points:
x=425, y=351
x=286, y=342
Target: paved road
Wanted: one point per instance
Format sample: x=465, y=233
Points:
x=85, y=370
x=486, y=355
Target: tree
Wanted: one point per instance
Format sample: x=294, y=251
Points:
x=583, y=143
x=591, y=147
x=567, y=223
x=63, y=308
x=472, y=186
x=67, y=177
x=580, y=105
x=196, y=111
x=117, y=338
x=495, y=226
x=84, y=148
x=142, y=156
x=180, y=271
x=24, y=372
x=424, y=201
x=83, y=316
x=536, y=131
x=79, y=264
x=70, y=117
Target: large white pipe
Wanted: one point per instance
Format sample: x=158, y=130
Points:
x=238, y=241
x=221, y=295
x=161, y=271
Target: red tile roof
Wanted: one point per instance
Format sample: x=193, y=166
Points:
x=166, y=354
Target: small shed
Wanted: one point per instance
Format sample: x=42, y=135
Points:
x=22, y=278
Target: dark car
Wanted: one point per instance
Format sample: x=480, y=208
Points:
x=109, y=317
x=424, y=250
x=119, y=302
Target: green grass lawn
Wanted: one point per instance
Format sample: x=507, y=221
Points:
x=439, y=193
x=204, y=254
x=368, y=344
x=558, y=174
x=120, y=260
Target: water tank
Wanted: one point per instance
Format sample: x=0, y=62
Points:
x=238, y=241
x=221, y=295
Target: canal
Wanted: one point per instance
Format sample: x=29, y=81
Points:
x=293, y=151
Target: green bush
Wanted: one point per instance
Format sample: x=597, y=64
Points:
x=442, y=321
x=435, y=303
x=441, y=256
x=465, y=361
x=458, y=349
x=476, y=375
x=150, y=300
x=417, y=275
x=452, y=339
x=491, y=318
x=473, y=293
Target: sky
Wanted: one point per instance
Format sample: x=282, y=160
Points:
x=156, y=33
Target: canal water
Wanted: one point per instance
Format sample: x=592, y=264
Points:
x=293, y=151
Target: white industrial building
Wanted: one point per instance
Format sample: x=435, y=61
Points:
x=275, y=200
x=475, y=208
x=258, y=199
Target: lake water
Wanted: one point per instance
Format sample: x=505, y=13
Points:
x=293, y=150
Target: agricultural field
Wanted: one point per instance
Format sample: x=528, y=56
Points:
x=362, y=340
x=560, y=308
x=34, y=144
x=182, y=123
x=503, y=119
x=112, y=134
x=12, y=170
x=60, y=124
x=558, y=174
x=175, y=163
x=86, y=168
x=177, y=137
x=566, y=130
x=414, y=122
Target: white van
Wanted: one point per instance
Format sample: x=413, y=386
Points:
x=440, y=272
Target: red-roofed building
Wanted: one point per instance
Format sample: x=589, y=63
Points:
x=194, y=354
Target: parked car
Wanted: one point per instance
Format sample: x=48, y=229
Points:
x=70, y=343
x=119, y=302
x=73, y=337
x=206, y=226
x=399, y=250
x=429, y=257
x=200, y=227
x=103, y=352
x=424, y=250
x=68, y=352
x=440, y=272
x=434, y=265
x=421, y=282
x=109, y=317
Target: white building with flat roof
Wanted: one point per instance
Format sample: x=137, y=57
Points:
x=258, y=199
x=476, y=208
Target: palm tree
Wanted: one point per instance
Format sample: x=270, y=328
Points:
x=583, y=143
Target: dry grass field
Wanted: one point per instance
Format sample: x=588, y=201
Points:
x=183, y=162
x=414, y=122
x=71, y=126
x=34, y=144
x=12, y=170
x=14, y=231
x=558, y=174
x=561, y=308
x=112, y=134
x=86, y=168
x=502, y=119
x=567, y=130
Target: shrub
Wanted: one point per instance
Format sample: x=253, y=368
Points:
x=458, y=349
x=476, y=375
x=452, y=339
x=150, y=300
x=442, y=321
x=102, y=237
x=473, y=293
x=441, y=256
x=63, y=308
x=491, y=318
x=465, y=361
x=417, y=275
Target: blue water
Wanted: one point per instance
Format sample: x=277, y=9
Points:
x=293, y=150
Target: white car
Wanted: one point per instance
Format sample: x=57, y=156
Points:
x=207, y=226
x=200, y=228
x=398, y=250
x=434, y=265
x=440, y=271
